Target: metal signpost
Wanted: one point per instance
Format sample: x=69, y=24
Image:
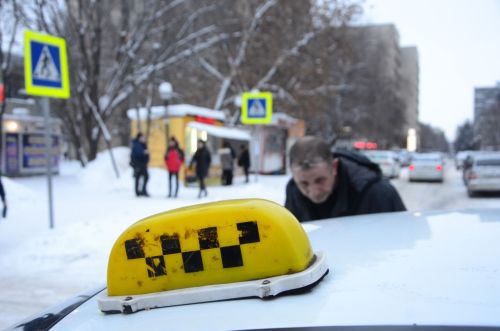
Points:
x=257, y=109
x=46, y=75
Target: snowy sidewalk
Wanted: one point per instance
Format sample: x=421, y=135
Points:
x=40, y=267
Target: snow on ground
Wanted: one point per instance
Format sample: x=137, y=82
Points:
x=40, y=266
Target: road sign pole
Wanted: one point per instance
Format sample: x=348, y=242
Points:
x=48, y=152
x=257, y=109
x=257, y=152
x=46, y=75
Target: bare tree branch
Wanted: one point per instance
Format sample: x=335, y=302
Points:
x=282, y=58
x=240, y=54
x=211, y=69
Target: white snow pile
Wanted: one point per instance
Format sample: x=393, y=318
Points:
x=17, y=192
x=101, y=173
x=40, y=267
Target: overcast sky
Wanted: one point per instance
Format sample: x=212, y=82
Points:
x=459, y=49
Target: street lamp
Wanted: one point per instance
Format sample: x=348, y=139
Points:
x=166, y=92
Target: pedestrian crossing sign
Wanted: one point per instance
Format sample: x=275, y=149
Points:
x=257, y=108
x=45, y=65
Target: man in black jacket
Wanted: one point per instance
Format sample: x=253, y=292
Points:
x=202, y=159
x=139, y=159
x=342, y=184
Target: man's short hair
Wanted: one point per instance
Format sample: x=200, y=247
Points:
x=309, y=151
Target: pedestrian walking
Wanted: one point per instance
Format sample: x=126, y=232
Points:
x=244, y=160
x=202, y=160
x=139, y=159
x=227, y=157
x=174, y=157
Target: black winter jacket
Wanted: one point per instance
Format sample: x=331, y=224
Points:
x=244, y=159
x=361, y=189
x=202, y=159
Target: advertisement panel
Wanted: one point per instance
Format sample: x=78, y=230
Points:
x=34, y=151
x=12, y=153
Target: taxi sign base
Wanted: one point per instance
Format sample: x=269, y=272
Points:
x=262, y=288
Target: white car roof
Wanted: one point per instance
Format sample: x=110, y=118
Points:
x=427, y=157
x=430, y=154
x=432, y=268
x=487, y=156
x=379, y=152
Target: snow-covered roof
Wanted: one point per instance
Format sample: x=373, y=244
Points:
x=176, y=111
x=222, y=132
x=29, y=118
x=156, y=112
x=282, y=117
x=20, y=101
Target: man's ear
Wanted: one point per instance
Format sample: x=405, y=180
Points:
x=335, y=165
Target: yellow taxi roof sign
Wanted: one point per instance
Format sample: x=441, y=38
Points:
x=45, y=65
x=214, y=243
x=256, y=107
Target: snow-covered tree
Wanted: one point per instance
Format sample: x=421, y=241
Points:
x=116, y=49
x=432, y=139
x=274, y=45
x=464, y=140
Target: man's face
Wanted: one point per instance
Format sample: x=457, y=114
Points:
x=318, y=181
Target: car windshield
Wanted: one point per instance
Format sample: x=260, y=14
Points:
x=427, y=158
x=425, y=161
x=379, y=156
x=488, y=162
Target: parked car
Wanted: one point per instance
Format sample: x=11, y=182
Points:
x=426, y=167
x=387, y=161
x=483, y=174
x=467, y=163
x=389, y=271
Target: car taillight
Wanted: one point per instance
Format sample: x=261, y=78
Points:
x=439, y=167
x=472, y=175
x=411, y=167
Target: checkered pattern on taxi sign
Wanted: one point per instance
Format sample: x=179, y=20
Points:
x=192, y=260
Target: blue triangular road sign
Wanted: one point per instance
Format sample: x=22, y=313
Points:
x=257, y=108
x=46, y=65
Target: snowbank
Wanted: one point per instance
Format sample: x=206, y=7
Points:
x=40, y=267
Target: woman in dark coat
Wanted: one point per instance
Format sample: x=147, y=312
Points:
x=202, y=159
x=244, y=161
